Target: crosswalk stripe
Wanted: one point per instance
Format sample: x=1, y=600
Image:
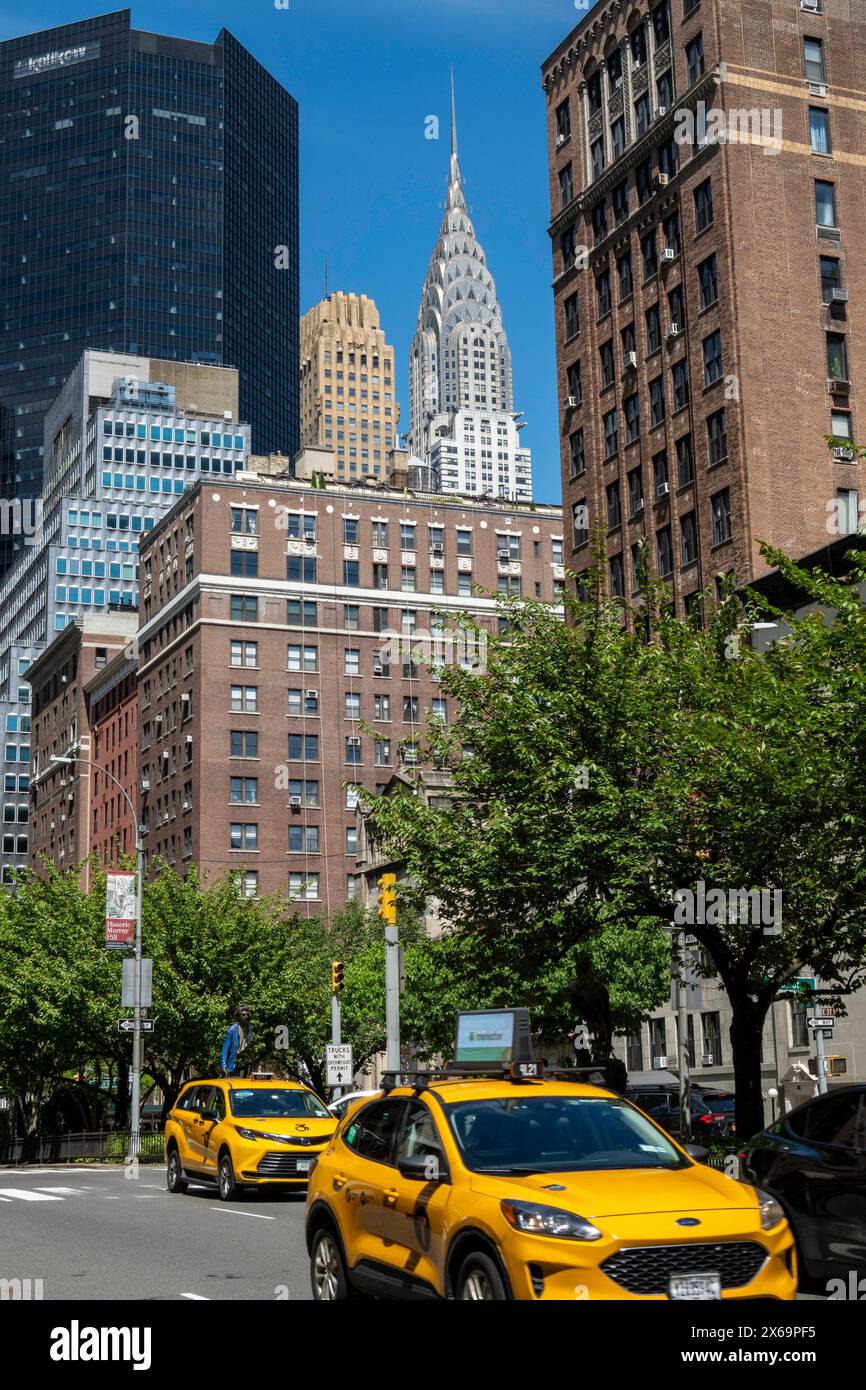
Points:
x=24, y=1196
x=64, y=1191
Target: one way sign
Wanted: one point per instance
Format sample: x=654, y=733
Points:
x=338, y=1064
x=127, y=1025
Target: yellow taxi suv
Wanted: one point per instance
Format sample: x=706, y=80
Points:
x=239, y=1134
x=517, y=1186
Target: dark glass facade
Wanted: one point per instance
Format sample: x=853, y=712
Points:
x=148, y=204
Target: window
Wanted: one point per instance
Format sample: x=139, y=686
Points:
x=605, y=353
x=574, y=384
x=667, y=158
x=676, y=311
x=617, y=576
x=243, y=743
x=303, y=793
x=847, y=510
x=620, y=202
x=572, y=316
x=303, y=839
x=353, y=749
x=840, y=424
x=665, y=551
x=624, y=275
x=380, y=534
x=703, y=196
x=717, y=438
x=685, y=460
x=244, y=653
x=660, y=473
x=302, y=612
x=350, y=530
x=303, y=748
x=244, y=837
x=614, y=506
x=680, y=380
x=371, y=1135
x=631, y=407
x=695, y=57
x=664, y=91
x=672, y=235
x=641, y=122
x=304, y=886
x=302, y=658
x=629, y=342
x=649, y=255
x=244, y=521
x=563, y=119
x=708, y=281
x=831, y=277
x=301, y=568
x=653, y=329
x=825, y=204
x=602, y=293
x=657, y=401
x=713, y=358
x=712, y=1038
x=688, y=539
x=596, y=156
x=614, y=69
x=580, y=523
x=577, y=453
x=611, y=434
x=599, y=221
x=661, y=23
x=244, y=609
x=352, y=661
x=244, y=698
x=382, y=752
x=837, y=357
x=244, y=790
x=566, y=186
x=464, y=543
x=351, y=616
x=617, y=137
x=721, y=504
x=351, y=573
x=634, y=1045
x=819, y=130
x=637, y=43
x=813, y=60
x=244, y=564
x=635, y=491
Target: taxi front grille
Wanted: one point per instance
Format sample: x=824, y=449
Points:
x=648, y=1269
x=282, y=1165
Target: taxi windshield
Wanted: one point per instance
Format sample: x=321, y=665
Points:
x=259, y=1103
x=557, y=1134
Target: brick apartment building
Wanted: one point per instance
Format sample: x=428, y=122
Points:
x=63, y=798
x=111, y=697
x=706, y=288
x=263, y=662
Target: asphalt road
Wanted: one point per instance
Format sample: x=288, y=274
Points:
x=94, y=1233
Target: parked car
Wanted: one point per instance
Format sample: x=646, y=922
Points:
x=712, y=1110
x=814, y=1161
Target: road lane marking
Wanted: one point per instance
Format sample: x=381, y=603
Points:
x=229, y=1211
x=199, y=1297
x=64, y=1191
x=24, y=1196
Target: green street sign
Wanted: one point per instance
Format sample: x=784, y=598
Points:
x=803, y=982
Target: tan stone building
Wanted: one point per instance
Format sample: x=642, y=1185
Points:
x=347, y=385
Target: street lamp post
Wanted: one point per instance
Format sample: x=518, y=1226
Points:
x=135, y=1117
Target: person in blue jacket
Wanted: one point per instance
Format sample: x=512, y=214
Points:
x=237, y=1041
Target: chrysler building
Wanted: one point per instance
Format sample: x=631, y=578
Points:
x=461, y=407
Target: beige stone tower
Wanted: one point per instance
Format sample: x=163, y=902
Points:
x=347, y=385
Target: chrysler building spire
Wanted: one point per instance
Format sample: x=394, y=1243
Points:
x=460, y=361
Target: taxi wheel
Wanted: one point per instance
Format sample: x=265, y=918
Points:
x=226, y=1181
x=174, y=1179
x=328, y=1271
x=479, y=1278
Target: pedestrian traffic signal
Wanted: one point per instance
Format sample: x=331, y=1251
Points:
x=388, y=898
x=336, y=976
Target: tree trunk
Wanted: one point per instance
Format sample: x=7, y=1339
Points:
x=746, y=1028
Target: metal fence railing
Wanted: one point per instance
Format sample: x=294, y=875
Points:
x=101, y=1146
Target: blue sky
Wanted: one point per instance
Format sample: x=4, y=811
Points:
x=367, y=73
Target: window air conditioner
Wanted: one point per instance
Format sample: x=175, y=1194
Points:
x=311, y=694
x=630, y=361
x=294, y=803
x=571, y=402
x=817, y=89
x=843, y=455
x=560, y=140
x=673, y=330
x=503, y=556
x=838, y=296
x=660, y=1063
x=668, y=254
x=708, y=1060
x=663, y=489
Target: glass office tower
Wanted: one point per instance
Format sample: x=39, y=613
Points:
x=148, y=204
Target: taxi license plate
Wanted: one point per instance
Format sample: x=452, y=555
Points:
x=303, y=1165
x=700, y=1288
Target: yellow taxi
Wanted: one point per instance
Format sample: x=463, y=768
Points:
x=236, y=1134
x=506, y=1187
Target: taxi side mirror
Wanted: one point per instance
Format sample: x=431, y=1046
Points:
x=697, y=1152
x=421, y=1168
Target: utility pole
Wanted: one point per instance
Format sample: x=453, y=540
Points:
x=336, y=1011
x=819, y=1052
x=682, y=1041
x=388, y=913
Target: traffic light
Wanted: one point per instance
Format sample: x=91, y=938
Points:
x=336, y=976
x=388, y=898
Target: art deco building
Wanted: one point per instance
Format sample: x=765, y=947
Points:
x=461, y=406
x=347, y=385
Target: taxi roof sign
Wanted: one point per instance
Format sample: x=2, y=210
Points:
x=492, y=1037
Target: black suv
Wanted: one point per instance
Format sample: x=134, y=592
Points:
x=712, y=1111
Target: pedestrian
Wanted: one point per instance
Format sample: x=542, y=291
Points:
x=237, y=1041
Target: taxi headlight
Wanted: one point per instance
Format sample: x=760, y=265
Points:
x=536, y=1219
x=772, y=1212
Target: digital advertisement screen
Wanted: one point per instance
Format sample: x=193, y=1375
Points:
x=485, y=1037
